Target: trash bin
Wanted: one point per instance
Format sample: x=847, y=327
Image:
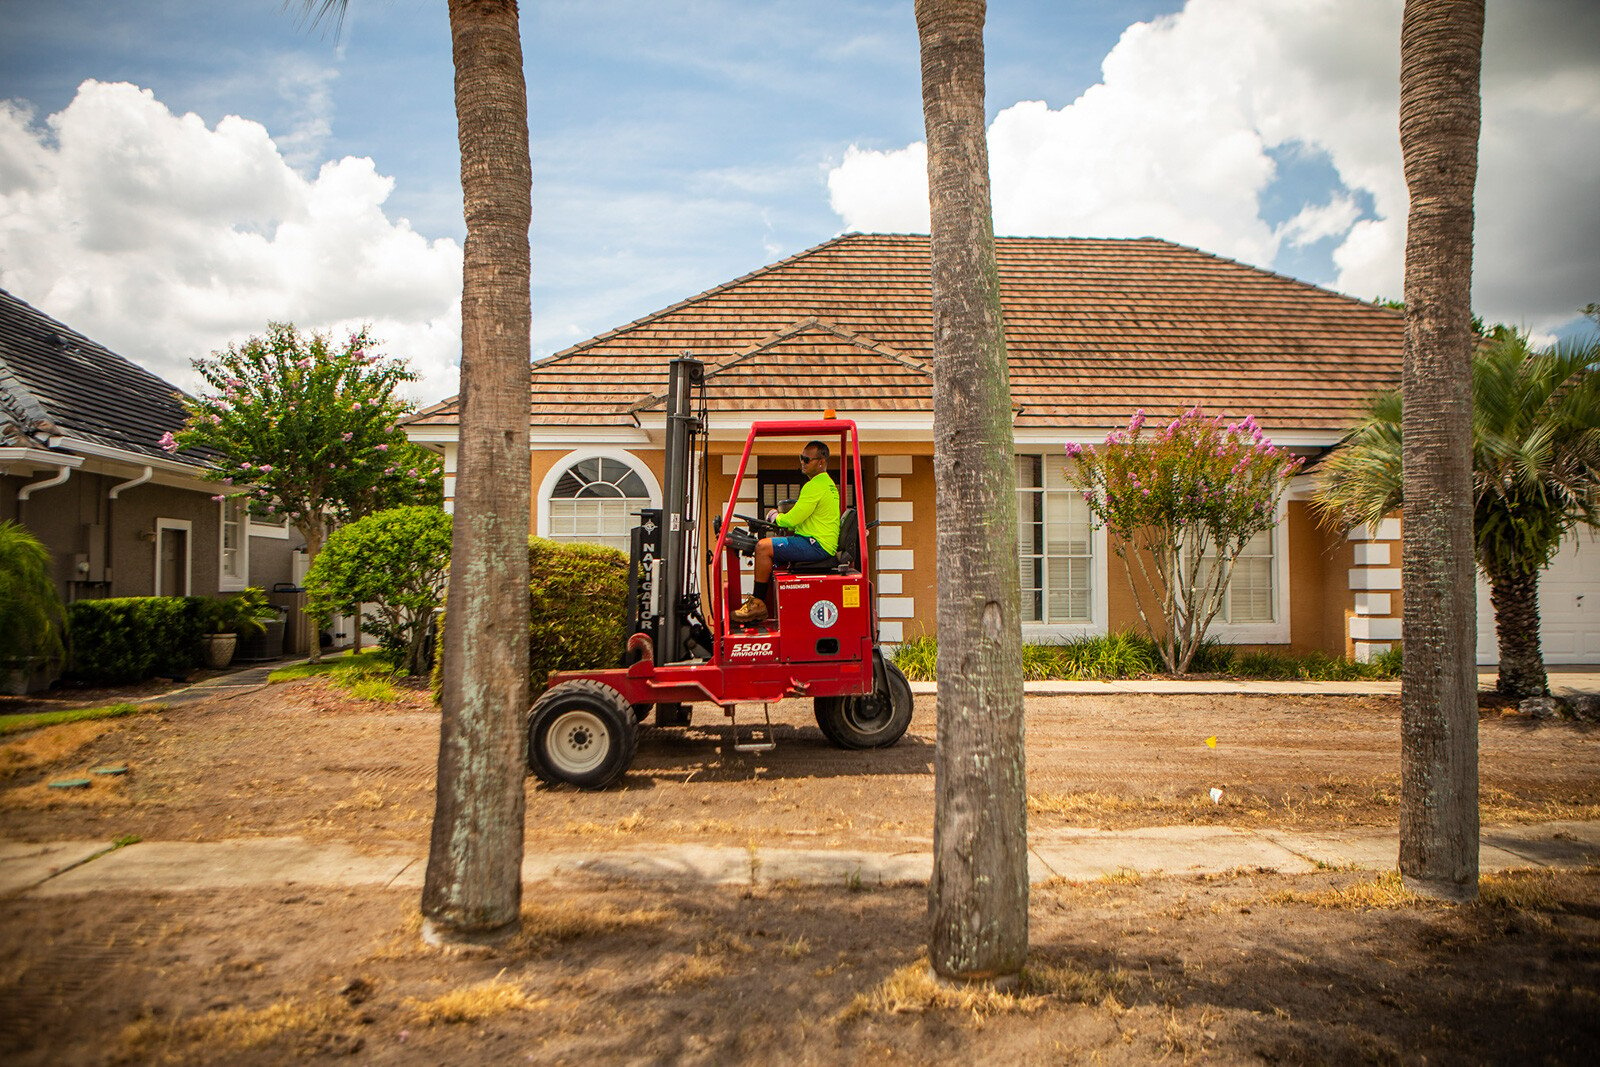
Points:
x=297, y=628
x=266, y=645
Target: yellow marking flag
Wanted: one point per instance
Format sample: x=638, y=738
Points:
x=1211, y=742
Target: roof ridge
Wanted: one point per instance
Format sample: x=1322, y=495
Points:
x=1301, y=282
x=698, y=297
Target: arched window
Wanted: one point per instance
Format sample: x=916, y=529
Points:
x=596, y=499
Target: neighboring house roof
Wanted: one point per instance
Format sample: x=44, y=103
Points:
x=1095, y=328
x=55, y=382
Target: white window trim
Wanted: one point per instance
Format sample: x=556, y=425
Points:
x=1266, y=633
x=578, y=455
x=276, y=530
x=188, y=555
x=225, y=582
x=1055, y=633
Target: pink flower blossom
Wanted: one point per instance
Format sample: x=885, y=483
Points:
x=266, y=468
x=382, y=448
x=346, y=436
x=228, y=480
x=219, y=499
x=168, y=442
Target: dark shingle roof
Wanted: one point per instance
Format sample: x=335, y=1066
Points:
x=1094, y=329
x=54, y=380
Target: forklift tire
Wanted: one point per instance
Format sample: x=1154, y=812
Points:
x=581, y=733
x=876, y=720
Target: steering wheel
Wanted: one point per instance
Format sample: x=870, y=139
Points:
x=760, y=526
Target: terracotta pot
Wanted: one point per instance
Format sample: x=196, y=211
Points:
x=219, y=649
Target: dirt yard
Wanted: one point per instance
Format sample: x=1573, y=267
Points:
x=1333, y=966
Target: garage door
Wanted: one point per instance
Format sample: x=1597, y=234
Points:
x=1569, y=606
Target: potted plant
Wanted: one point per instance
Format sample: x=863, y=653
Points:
x=230, y=616
x=33, y=623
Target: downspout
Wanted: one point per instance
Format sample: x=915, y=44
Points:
x=116, y=490
x=60, y=476
x=111, y=519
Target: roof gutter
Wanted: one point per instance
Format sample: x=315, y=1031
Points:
x=132, y=483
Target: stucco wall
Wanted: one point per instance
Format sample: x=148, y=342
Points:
x=900, y=493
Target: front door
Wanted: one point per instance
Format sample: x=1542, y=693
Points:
x=172, y=561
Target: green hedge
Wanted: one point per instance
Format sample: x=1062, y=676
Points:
x=129, y=639
x=577, y=595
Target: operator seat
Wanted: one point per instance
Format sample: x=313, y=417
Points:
x=848, y=558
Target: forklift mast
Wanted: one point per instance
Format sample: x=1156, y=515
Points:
x=678, y=513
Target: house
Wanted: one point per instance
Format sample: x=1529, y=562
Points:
x=81, y=466
x=1095, y=330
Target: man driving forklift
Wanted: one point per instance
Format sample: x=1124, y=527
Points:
x=814, y=518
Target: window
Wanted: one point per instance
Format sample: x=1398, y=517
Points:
x=596, y=499
x=234, y=571
x=1055, y=546
x=1255, y=606
x=1248, y=598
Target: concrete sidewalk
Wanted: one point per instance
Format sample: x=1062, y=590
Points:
x=84, y=867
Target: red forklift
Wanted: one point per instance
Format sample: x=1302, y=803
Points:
x=820, y=640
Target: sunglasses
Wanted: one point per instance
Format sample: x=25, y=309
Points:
x=808, y=459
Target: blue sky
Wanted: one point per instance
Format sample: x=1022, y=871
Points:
x=677, y=146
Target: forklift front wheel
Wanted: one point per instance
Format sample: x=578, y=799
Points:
x=876, y=720
x=581, y=733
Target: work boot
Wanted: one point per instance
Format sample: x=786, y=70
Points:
x=752, y=610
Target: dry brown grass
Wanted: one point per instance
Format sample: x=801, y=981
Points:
x=1497, y=805
x=474, y=1003
x=628, y=824
x=568, y=920
x=234, y=1029
x=50, y=744
x=914, y=989
x=1385, y=891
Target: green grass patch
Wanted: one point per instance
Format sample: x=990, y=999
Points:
x=34, y=720
x=1127, y=655
x=371, y=663
x=364, y=675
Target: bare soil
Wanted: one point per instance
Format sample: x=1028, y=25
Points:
x=1323, y=967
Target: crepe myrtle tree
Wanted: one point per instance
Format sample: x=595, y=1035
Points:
x=1180, y=505
x=304, y=428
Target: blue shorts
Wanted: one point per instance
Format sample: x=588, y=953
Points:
x=799, y=550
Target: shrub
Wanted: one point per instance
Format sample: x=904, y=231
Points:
x=129, y=639
x=243, y=613
x=394, y=560
x=578, y=594
x=33, y=624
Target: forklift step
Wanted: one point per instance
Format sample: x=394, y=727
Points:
x=753, y=745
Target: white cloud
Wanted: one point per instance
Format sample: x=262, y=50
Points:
x=165, y=239
x=1174, y=142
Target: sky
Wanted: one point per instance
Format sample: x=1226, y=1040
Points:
x=174, y=174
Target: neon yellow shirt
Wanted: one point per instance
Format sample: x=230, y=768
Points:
x=816, y=513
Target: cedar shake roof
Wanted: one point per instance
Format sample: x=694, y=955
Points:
x=56, y=381
x=1095, y=328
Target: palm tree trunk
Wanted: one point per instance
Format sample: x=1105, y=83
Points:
x=473, y=889
x=1516, y=628
x=1441, y=45
x=978, y=896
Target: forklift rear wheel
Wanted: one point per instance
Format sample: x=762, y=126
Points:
x=581, y=733
x=876, y=720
